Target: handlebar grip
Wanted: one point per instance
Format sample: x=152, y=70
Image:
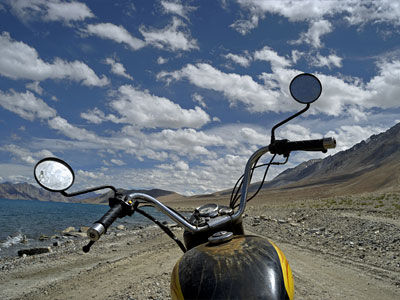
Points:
x=102, y=225
x=285, y=147
x=312, y=145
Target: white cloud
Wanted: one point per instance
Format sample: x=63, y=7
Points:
x=162, y=60
x=356, y=11
x=184, y=141
x=245, y=26
x=71, y=131
x=91, y=175
x=314, y=33
x=116, y=33
x=26, y=105
x=50, y=10
x=117, y=162
x=146, y=110
x=271, y=56
x=169, y=38
x=25, y=155
x=384, y=87
x=199, y=100
x=20, y=61
x=117, y=68
x=35, y=86
x=95, y=116
x=176, y=8
x=236, y=88
x=244, y=61
x=329, y=61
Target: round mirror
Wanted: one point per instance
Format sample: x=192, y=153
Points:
x=305, y=88
x=54, y=174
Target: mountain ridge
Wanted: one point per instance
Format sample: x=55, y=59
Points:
x=370, y=165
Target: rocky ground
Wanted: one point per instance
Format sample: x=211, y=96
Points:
x=345, y=247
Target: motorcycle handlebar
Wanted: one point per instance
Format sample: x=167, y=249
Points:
x=101, y=226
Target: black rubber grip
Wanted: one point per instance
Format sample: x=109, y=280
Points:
x=113, y=213
x=285, y=147
x=311, y=145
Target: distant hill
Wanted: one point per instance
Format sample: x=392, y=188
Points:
x=26, y=191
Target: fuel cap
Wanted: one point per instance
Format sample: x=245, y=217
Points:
x=220, y=237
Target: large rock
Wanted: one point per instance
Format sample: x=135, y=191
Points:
x=69, y=229
x=34, y=251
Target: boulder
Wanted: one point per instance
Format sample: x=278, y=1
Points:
x=68, y=229
x=34, y=251
x=83, y=229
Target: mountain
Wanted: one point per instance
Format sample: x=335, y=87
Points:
x=26, y=191
x=370, y=165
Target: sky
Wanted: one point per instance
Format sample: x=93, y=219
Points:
x=178, y=94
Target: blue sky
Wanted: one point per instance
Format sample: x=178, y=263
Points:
x=177, y=94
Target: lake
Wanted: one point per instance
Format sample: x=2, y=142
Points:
x=22, y=222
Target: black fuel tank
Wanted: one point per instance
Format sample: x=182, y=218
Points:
x=247, y=267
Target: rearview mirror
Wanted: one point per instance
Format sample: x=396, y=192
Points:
x=53, y=174
x=305, y=88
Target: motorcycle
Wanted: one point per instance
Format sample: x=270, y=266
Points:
x=220, y=261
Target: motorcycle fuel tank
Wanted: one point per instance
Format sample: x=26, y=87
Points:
x=246, y=267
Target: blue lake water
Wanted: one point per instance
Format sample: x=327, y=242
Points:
x=22, y=222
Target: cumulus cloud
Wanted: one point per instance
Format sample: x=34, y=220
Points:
x=25, y=155
x=236, y=88
x=162, y=60
x=35, y=86
x=117, y=68
x=313, y=36
x=170, y=37
x=65, y=128
x=199, y=99
x=271, y=56
x=26, y=105
x=116, y=33
x=177, y=8
x=20, y=61
x=146, y=110
x=50, y=10
x=316, y=12
x=384, y=87
x=243, y=60
x=330, y=61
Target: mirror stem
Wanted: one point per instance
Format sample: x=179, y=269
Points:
x=90, y=190
x=287, y=120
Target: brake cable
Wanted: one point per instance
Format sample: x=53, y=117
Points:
x=235, y=198
x=163, y=227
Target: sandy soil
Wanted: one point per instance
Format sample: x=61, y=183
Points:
x=137, y=264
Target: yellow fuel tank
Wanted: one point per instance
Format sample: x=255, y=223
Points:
x=246, y=267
